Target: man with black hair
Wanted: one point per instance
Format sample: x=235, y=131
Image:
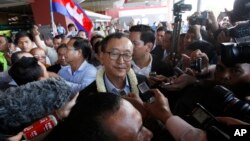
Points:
x=24, y=41
x=116, y=75
x=108, y=117
x=79, y=73
x=61, y=62
x=28, y=69
x=143, y=62
x=102, y=117
x=72, y=30
x=157, y=48
x=57, y=41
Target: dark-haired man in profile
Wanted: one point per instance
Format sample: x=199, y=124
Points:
x=108, y=117
x=79, y=73
x=102, y=117
x=28, y=69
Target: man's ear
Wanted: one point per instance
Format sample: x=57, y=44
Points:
x=149, y=46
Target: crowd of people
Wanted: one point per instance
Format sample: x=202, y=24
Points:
x=124, y=85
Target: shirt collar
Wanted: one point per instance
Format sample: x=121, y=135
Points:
x=143, y=71
x=81, y=68
x=111, y=88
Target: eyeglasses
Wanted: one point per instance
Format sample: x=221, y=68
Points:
x=114, y=56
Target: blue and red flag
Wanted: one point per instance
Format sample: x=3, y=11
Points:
x=73, y=11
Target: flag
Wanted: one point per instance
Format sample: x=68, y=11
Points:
x=73, y=11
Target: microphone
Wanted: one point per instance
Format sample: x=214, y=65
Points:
x=21, y=106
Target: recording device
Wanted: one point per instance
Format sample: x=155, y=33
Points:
x=209, y=123
x=153, y=74
x=180, y=7
x=196, y=64
x=178, y=71
x=146, y=94
x=199, y=20
x=41, y=97
x=231, y=105
x=241, y=11
x=233, y=53
x=203, y=117
x=240, y=30
x=39, y=127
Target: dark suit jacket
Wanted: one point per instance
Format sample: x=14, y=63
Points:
x=161, y=67
x=153, y=125
x=92, y=88
x=54, y=68
x=158, y=51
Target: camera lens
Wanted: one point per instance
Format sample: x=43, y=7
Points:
x=196, y=64
x=232, y=53
x=232, y=106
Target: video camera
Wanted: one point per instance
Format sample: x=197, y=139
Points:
x=180, y=7
x=231, y=105
x=199, y=20
x=233, y=53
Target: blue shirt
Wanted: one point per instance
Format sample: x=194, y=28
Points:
x=79, y=79
x=112, y=89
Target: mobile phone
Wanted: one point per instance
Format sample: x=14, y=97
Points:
x=146, y=94
x=203, y=117
x=178, y=71
x=153, y=74
x=209, y=123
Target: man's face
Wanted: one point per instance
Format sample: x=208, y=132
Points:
x=126, y=124
x=188, y=39
x=57, y=42
x=117, y=68
x=61, y=56
x=140, y=49
x=45, y=72
x=159, y=37
x=25, y=44
x=39, y=54
x=166, y=41
x=239, y=73
x=72, y=54
x=72, y=28
x=3, y=44
x=82, y=34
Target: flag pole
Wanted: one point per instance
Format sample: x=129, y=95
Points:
x=52, y=18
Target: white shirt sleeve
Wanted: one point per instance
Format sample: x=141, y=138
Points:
x=183, y=131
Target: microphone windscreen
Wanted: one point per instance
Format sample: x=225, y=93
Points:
x=20, y=106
